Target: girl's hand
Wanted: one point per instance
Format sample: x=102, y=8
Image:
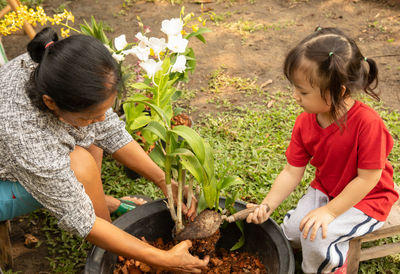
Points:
x=320, y=217
x=260, y=215
x=180, y=259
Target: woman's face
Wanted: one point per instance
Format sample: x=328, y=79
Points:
x=85, y=117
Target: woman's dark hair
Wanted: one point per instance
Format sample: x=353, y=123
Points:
x=77, y=72
x=336, y=62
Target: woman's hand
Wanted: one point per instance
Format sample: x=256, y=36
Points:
x=180, y=259
x=260, y=215
x=189, y=212
x=320, y=217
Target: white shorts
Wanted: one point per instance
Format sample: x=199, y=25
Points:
x=326, y=255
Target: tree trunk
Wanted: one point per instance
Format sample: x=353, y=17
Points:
x=5, y=245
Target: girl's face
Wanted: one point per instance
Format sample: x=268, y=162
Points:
x=86, y=117
x=308, y=96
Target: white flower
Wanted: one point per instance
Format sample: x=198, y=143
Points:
x=118, y=57
x=158, y=45
x=120, y=42
x=180, y=64
x=141, y=52
x=151, y=67
x=142, y=38
x=177, y=44
x=172, y=27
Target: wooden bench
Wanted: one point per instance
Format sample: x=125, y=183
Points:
x=391, y=228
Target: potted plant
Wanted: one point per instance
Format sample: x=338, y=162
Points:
x=162, y=65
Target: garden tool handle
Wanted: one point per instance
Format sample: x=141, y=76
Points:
x=241, y=215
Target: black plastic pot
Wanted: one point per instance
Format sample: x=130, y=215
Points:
x=152, y=220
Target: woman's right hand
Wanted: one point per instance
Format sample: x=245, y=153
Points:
x=260, y=215
x=179, y=259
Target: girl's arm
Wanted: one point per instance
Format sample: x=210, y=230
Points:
x=283, y=185
x=354, y=192
x=111, y=238
x=134, y=157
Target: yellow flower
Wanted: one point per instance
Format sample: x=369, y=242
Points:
x=65, y=32
x=14, y=21
x=195, y=28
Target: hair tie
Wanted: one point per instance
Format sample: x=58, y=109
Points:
x=365, y=59
x=49, y=44
x=318, y=29
x=330, y=53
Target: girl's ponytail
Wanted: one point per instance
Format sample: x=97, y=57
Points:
x=37, y=47
x=372, y=74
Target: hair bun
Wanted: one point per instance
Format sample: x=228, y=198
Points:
x=36, y=47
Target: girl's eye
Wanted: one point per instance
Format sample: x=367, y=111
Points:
x=303, y=93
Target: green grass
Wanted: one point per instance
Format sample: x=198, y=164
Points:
x=249, y=142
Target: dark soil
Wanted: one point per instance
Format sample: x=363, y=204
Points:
x=239, y=50
x=221, y=261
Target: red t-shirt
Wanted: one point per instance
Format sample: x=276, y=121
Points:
x=364, y=142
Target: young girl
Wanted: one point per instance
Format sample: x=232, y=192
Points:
x=55, y=116
x=347, y=142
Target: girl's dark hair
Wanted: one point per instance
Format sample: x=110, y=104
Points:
x=336, y=62
x=77, y=72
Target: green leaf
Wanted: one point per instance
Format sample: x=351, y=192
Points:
x=210, y=195
x=132, y=111
x=139, y=122
x=176, y=95
x=191, y=163
x=157, y=155
x=209, y=161
x=140, y=85
x=201, y=203
x=145, y=100
x=229, y=181
x=198, y=33
x=241, y=240
x=158, y=129
x=193, y=139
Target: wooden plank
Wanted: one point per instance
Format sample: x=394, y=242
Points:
x=5, y=245
x=380, y=233
x=27, y=27
x=353, y=256
x=379, y=251
x=5, y=10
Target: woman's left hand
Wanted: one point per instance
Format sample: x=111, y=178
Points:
x=320, y=217
x=189, y=212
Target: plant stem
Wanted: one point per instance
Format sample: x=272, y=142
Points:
x=190, y=194
x=71, y=28
x=181, y=181
x=168, y=163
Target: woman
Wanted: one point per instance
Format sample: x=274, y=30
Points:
x=54, y=117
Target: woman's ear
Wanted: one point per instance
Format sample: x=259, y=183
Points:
x=49, y=102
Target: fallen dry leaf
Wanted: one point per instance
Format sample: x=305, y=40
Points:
x=30, y=240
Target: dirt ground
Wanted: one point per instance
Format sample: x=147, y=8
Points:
x=250, y=40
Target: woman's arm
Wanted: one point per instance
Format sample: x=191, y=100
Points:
x=111, y=238
x=354, y=192
x=283, y=185
x=133, y=156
